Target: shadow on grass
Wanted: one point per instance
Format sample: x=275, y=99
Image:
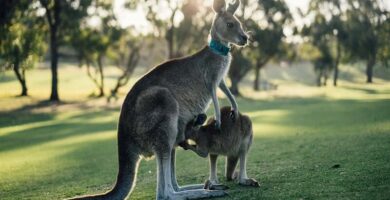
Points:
x=32, y=113
x=48, y=128
x=365, y=90
x=57, y=131
x=299, y=114
x=26, y=114
x=293, y=166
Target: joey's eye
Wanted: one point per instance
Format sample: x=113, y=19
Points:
x=229, y=25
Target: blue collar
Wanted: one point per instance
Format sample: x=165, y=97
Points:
x=219, y=48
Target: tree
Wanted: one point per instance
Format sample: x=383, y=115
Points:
x=318, y=35
x=63, y=16
x=364, y=22
x=276, y=16
x=106, y=41
x=53, y=9
x=325, y=33
x=178, y=25
x=126, y=60
x=266, y=20
x=340, y=35
x=384, y=47
x=239, y=67
x=89, y=45
x=8, y=11
x=21, y=41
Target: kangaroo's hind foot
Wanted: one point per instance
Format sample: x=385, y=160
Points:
x=209, y=185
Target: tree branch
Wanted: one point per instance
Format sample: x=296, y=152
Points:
x=48, y=12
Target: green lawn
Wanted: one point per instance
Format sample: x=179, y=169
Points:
x=59, y=151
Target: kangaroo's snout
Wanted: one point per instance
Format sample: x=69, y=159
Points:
x=244, y=39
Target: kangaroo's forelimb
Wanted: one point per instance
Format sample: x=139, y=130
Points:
x=217, y=111
x=230, y=96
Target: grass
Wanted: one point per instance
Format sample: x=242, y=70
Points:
x=328, y=143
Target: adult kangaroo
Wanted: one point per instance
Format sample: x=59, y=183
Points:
x=156, y=110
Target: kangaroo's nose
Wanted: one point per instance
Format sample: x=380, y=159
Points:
x=244, y=38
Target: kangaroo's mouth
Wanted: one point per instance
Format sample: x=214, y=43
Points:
x=243, y=40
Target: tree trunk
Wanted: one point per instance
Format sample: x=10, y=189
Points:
x=234, y=87
x=101, y=73
x=336, y=64
x=325, y=77
x=24, y=85
x=21, y=78
x=54, y=50
x=54, y=64
x=370, y=68
x=319, y=76
x=169, y=38
x=335, y=75
x=239, y=67
x=256, y=83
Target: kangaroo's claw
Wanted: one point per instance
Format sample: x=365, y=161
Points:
x=214, y=186
x=249, y=182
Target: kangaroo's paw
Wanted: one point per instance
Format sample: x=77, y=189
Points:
x=209, y=185
x=249, y=182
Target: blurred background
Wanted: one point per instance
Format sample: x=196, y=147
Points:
x=314, y=77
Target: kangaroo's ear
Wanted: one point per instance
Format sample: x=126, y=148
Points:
x=232, y=7
x=219, y=6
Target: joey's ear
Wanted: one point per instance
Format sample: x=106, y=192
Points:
x=232, y=7
x=219, y=6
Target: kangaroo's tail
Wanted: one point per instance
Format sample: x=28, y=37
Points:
x=129, y=159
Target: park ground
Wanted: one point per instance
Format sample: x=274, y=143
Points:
x=309, y=142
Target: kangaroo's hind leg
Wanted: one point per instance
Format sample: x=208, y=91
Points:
x=175, y=185
x=231, y=164
x=165, y=189
x=243, y=177
x=213, y=183
x=158, y=105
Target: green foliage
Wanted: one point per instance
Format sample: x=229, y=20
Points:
x=92, y=44
x=70, y=16
x=184, y=24
x=276, y=16
x=384, y=44
x=320, y=33
x=268, y=31
x=366, y=18
x=325, y=33
x=362, y=18
x=22, y=39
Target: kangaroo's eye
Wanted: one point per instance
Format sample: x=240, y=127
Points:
x=229, y=25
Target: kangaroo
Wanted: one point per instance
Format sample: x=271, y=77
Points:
x=232, y=140
x=155, y=112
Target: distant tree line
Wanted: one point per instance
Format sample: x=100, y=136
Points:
x=348, y=31
x=338, y=31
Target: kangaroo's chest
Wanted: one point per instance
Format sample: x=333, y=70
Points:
x=219, y=70
x=197, y=98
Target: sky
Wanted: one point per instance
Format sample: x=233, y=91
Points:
x=137, y=18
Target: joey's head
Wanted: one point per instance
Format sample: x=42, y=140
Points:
x=226, y=28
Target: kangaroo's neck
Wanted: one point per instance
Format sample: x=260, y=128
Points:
x=215, y=64
x=216, y=37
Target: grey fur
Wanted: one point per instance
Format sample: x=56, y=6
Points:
x=156, y=110
x=232, y=140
